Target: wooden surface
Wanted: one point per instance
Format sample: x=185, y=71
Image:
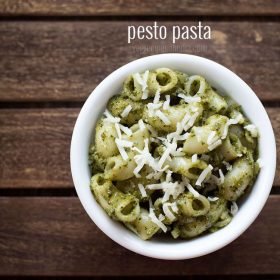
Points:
x=139, y=7
x=64, y=61
x=61, y=240
x=52, y=55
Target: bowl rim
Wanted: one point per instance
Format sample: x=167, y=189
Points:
x=173, y=251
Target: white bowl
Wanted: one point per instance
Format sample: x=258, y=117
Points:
x=226, y=82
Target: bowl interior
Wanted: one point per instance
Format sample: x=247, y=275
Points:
x=227, y=83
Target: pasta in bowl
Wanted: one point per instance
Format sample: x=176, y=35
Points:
x=173, y=191
x=172, y=155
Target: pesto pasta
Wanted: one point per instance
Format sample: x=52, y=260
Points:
x=172, y=155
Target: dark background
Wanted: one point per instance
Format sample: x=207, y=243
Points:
x=52, y=55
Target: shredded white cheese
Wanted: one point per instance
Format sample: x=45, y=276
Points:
x=141, y=124
x=212, y=137
x=165, y=155
x=110, y=117
x=204, y=174
x=222, y=176
x=189, y=99
x=191, y=121
x=239, y=118
x=168, y=176
x=156, y=220
x=212, y=198
x=152, y=130
x=144, y=157
x=122, y=151
x=157, y=97
x=252, y=129
x=142, y=81
x=194, y=158
x=117, y=126
x=229, y=122
x=152, y=108
x=183, y=137
x=169, y=189
x=166, y=103
x=124, y=143
x=126, y=111
x=233, y=208
x=167, y=212
x=142, y=190
x=215, y=145
x=125, y=129
x=163, y=117
x=174, y=207
x=192, y=190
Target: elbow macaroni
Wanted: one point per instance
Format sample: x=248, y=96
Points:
x=172, y=155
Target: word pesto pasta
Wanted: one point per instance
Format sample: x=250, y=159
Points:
x=172, y=155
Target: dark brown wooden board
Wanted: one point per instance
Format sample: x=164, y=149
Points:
x=138, y=7
x=54, y=236
x=35, y=147
x=65, y=60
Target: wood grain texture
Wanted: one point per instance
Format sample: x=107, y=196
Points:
x=64, y=61
x=138, y=7
x=35, y=146
x=54, y=236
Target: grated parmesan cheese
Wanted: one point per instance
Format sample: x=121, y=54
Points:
x=215, y=145
x=124, y=143
x=192, y=190
x=212, y=198
x=189, y=99
x=194, y=158
x=212, y=137
x=142, y=81
x=233, y=208
x=142, y=190
x=252, y=129
x=204, y=174
x=168, y=176
x=123, y=153
x=166, y=103
x=169, y=189
x=156, y=220
x=126, y=111
x=167, y=212
x=174, y=207
x=163, y=117
x=145, y=157
x=222, y=176
x=228, y=123
x=157, y=97
x=152, y=130
x=125, y=129
x=164, y=156
x=117, y=126
x=191, y=121
x=183, y=137
x=141, y=124
x=110, y=117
